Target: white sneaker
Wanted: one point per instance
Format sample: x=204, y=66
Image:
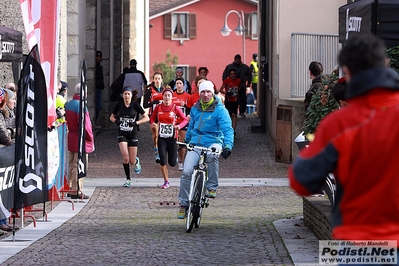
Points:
x=181, y=166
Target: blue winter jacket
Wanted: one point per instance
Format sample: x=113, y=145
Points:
x=210, y=126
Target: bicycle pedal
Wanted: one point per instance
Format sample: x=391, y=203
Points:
x=206, y=203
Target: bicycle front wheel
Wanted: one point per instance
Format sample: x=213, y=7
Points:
x=194, y=209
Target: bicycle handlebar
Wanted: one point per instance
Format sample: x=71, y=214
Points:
x=192, y=147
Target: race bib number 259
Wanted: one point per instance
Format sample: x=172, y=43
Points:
x=165, y=130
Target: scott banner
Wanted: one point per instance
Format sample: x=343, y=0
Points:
x=41, y=21
x=6, y=179
x=31, y=138
x=10, y=45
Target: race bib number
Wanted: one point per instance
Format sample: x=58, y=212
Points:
x=233, y=91
x=126, y=125
x=183, y=109
x=165, y=130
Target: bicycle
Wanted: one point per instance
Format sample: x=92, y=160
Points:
x=198, y=196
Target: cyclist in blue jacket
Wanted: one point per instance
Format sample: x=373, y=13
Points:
x=209, y=126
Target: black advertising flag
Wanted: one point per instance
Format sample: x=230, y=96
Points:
x=82, y=163
x=31, y=135
x=10, y=45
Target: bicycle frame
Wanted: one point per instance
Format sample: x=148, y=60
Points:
x=197, y=196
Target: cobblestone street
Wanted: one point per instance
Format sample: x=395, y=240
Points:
x=138, y=225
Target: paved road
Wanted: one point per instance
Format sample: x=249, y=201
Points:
x=138, y=225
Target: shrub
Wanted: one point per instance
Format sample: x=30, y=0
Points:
x=322, y=104
x=166, y=67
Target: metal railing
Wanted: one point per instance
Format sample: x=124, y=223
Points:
x=306, y=48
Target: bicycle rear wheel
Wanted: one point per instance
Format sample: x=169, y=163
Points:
x=195, y=202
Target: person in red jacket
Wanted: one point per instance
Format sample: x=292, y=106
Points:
x=152, y=97
x=72, y=118
x=170, y=119
x=359, y=144
x=180, y=98
x=196, y=95
x=230, y=88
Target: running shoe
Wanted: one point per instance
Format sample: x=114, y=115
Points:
x=137, y=166
x=157, y=158
x=212, y=194
x=181, y=166
x=165, y=185
x=181, y=214
x=127, y=183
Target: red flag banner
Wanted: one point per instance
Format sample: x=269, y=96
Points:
x=41, y=21
x=31, y=135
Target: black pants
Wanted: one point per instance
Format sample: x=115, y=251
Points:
x=167, y=149
x=255, y=89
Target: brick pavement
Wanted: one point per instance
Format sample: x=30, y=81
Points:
x=122, y=226
x=129, y=226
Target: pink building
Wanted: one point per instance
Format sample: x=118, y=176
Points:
x=191, y=30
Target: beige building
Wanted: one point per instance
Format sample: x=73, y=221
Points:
x=296, y=33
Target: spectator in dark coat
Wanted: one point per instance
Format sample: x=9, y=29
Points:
x=244, y=73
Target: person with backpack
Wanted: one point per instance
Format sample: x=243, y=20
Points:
x=166, y=115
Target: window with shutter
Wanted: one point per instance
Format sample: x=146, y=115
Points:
x=251, y=25
x=247, y=25
x=180, y=26
x=193, y=26
x=192, y=72
x=167, y=26
x=180, y=29
x=186, y=70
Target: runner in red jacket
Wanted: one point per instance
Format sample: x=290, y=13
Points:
x=167, y=115
x=180, y=98
x=152, y=97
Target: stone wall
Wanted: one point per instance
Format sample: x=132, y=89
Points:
x=11, y=17
x=316, y=216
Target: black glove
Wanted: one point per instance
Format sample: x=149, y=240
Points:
x=226, y=153
x=155, y=102
x=133, y=124
x=117, y=121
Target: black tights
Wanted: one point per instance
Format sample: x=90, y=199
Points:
x=126, y=167
x=167, y=149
